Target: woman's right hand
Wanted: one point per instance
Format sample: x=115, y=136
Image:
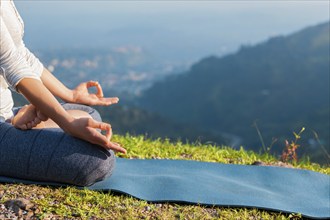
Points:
x=86, y=129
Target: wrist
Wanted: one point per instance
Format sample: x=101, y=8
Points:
x=66, y=124
x=69, y=96
x=62, y=118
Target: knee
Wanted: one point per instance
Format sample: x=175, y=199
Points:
x=89, y=110
x=93, y=113
x=97, y=170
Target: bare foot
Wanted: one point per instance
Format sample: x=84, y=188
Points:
x=29, y=117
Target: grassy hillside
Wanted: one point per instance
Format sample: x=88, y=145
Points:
x=282, y=83
x=48, y=202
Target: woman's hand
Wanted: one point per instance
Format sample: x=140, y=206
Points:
x=81, y=95
x=85, y=128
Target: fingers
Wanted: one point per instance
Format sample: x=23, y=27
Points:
x=102, y=126
x=84, y=97
x=99, y=92
x=104, y=101
x=105, y=140
x=109, y=101
x=116, y=147
x=108, y=133
x=106, y=127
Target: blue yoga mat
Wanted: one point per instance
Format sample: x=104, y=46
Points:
x=271, y=188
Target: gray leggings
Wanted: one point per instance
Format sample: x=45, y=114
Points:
x=52, y=155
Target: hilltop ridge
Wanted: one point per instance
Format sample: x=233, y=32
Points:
x=282, y=83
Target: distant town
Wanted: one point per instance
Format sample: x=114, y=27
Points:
x=122, y=69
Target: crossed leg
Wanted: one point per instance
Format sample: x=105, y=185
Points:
x=51, y=154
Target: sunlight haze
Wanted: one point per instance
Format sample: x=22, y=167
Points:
x=185, y=30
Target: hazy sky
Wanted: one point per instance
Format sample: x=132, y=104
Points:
x=181, y=29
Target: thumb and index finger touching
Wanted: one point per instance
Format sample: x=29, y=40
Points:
x=99, y=91
x=99, y=94
x=104, y=126
x=105, y=139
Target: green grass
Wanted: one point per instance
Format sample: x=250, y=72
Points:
x=70, y=202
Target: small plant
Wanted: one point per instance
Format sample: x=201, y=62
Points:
x=274, y=140
x=289, y=153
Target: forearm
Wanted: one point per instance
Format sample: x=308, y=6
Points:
x=56, y=87
x=84, y=128
x=36, y=92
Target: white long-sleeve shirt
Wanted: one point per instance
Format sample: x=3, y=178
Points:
x=16, y=61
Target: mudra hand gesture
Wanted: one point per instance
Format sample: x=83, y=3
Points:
x=44, y=105
x=81, y=95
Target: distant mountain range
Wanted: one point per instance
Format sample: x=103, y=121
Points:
x=281, y=84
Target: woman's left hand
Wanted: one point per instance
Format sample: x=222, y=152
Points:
x=81, y=95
